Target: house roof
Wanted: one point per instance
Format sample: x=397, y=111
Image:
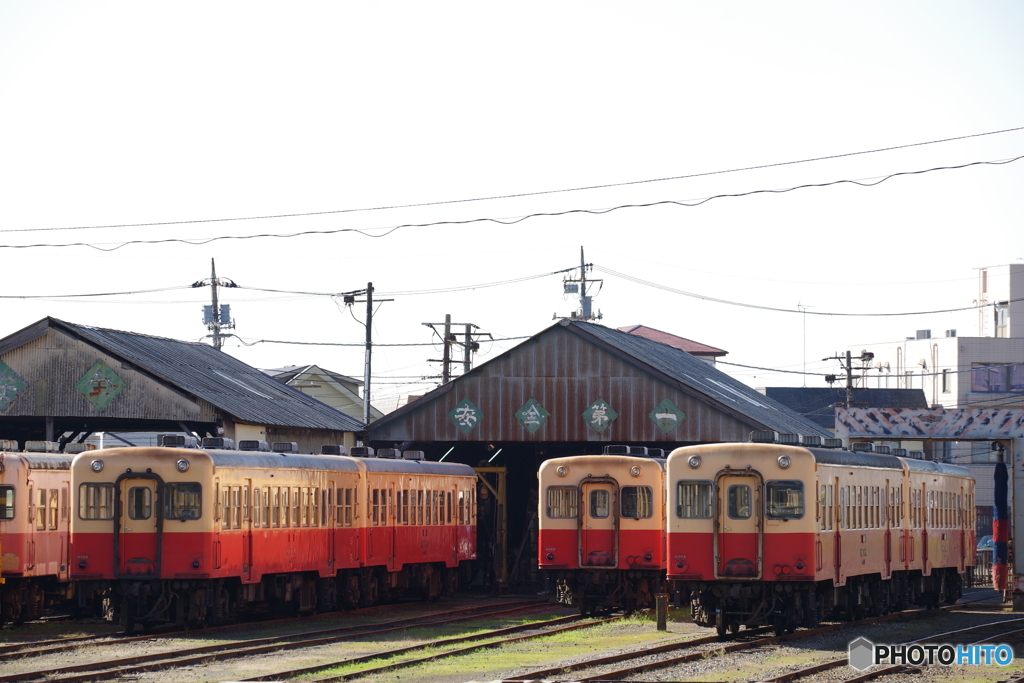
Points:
x=817, y=403
x=688, y=345
x=201, y=370
x=290, y=372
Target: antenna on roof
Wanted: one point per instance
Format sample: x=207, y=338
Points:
x=572, y=285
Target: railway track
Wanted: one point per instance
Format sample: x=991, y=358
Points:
x=661, y=656
x=113, y=668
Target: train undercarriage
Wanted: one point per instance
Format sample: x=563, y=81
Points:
x=188, y=603
x=786, y=605
x=25, y=599
x=593, y=590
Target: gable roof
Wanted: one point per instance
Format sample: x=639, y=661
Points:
x=290, y=372
x=817, y=403
x=688, y=345
x=293, y=374
x=669, y=364
x=201, y=370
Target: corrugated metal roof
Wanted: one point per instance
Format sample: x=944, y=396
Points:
x=694, y=373
x=214, y=376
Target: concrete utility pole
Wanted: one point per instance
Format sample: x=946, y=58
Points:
x=572, y=285
x=349, y=298
x=449, y=338
x=215, y=316
x=865, y=356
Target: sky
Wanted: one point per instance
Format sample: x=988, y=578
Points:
x=126, y=126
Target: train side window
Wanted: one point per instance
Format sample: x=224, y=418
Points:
x=562, y=502
x=843, y=512
x=41, y=511
x=295, y=506
x=600, y=504
x=53, y=510
x=419, y=507
x=140, y=502
x=785, y=499
x=6, y=502
x=385, y=505
x=450, y=507
x=829, y=507
x=375, y=506
x=637, y=502
x=236, y=507
x=403, y=507
x=96, y=501
x=266, y=507
x=183, y=500
x=739, y=501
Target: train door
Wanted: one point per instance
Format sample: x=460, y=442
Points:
x=599, y=523
x=137, y=538
x=330, y=523
x=926, y=508
x=65, y=529
x=961, y=532
x=739, y=525
x=391, y=528
x=887, y=510
x=248, y=507
x=838, y=518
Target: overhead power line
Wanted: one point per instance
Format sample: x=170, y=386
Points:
x=868, y=182
x=78, y=296
x=525, y=194
x=703, y=297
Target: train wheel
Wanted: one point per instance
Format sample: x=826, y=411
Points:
x=720, y=626
x=734, y=627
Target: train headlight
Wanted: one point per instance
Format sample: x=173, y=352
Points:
x=784, y=461
x=561, y=470
x=635, y=471
x=694, y=461
x=96, y=466
x=181, y=465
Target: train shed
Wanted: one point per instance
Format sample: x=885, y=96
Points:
x=59, y=380
x=572, y=389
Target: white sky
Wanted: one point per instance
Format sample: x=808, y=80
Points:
x=128, y=112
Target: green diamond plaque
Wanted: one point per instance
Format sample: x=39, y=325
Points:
x=532, y=415
x=466, y=415
x=667, y=415
x=599, y=414
x=100, y=385
x=11, y=384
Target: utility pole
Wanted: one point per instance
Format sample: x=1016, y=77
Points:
x=571, y=285
x=469, y=346
x=865, y=356
x=215, y=316
x=349, y=298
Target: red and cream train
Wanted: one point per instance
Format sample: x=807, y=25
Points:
x=761, y=534
x=186, y=536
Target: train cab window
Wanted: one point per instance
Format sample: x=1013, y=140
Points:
x=739, y=501
x=140, y=502
x=637, y=502
x=693, y=499
x=96, y=501
x=784, y=499
x=183, y=500
x=600, y=504
x=562, y=502
x=6, y=502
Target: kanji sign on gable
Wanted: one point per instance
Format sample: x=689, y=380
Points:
x=599, y=414
x=667, y=415
x=466, y=415
x=100, y=385
x=532, y=415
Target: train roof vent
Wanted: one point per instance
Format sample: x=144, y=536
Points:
x=616, y=450
x=832, y=443
x=884, y=450
x=638, y=450
x=361, y=452
x=655, y=452
x=285, y=447
x=810, y=440
x=253, y=445
x=8, y=445
x=219, y=442
x=389, y=453
x=916, y=454
x=177, y=441
x=790, y=439
x=762, y=436
x=413, y=455
x=332, y=449
x=42, y=446
x=900, y=452
x=79, y=447
x=863, y=447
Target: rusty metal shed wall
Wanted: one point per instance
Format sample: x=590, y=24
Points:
x=53, y=362
x=564, y=372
